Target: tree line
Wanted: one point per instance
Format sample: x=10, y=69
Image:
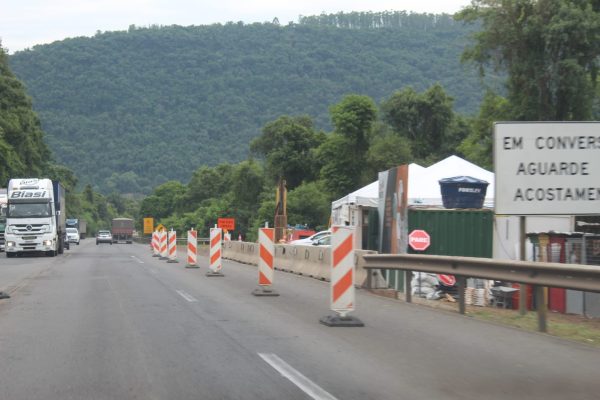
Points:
x=132, y=109
x=550, y=75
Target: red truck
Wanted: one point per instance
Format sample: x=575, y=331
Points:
x=122, y=230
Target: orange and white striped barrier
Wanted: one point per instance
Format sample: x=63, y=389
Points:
x=266, y=255
x=342, y=295
x=155, y=245
x=172, y=246
x=192, y=249
x=215, y=264
x=162, y=245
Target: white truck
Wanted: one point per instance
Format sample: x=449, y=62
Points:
x=35, y=221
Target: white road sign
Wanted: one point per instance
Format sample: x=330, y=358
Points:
x=547, y=168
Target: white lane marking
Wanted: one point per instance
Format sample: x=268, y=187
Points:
x=186, y=296
x=305, y=384
x=137, y=259
x=153, y=271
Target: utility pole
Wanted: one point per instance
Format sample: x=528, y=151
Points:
x=280, y=211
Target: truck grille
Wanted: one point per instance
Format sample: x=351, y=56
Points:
x=27, y=229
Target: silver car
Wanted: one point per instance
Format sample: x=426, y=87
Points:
x=104, y=237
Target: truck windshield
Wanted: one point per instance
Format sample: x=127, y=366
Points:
x=29, y=210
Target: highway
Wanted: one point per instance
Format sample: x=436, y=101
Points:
x=113, y=322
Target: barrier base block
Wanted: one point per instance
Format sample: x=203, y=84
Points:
x=192, y=266
x=4, y=295
x=172, y=261
x=163, y=258
x=155, y=255
x=212, y=274
x=264, y=291
x=339, y=321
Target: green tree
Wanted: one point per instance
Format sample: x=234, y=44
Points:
x=388, y=149
x=477, y=146
x=343, y=155
x=549, y=48
x=287, y=145
x=22, y=147
x=206, y=183
x=353, y=118
x=162, y=203
x=426, y=119
x=308, y=204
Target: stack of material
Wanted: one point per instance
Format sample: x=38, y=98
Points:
x=480, y=297
x=425, y=285
x=469, y=296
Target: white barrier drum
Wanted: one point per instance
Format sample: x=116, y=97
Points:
x=192, y=249
x=162, y=239
x=172, y=246
x=266, y=254
x=215, y=263
x=155, y=245
x=342, y=295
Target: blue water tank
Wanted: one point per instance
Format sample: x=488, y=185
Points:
x=463, y=192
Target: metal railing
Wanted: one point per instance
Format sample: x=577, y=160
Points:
x=538, y=274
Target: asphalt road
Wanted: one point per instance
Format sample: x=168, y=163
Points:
x=112, y=322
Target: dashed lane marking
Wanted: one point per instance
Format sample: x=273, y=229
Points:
x=187, y=296
x=287, y=371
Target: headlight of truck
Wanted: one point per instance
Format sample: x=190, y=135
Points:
x=47, y=243
x=10, y=244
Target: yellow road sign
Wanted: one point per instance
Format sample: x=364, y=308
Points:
x=160, y=227
x=148, y=225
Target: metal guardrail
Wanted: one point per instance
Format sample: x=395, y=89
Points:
x=180, y=241
x=538, y=274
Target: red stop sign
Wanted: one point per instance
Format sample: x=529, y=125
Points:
x=419, y=240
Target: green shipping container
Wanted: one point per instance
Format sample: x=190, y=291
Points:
x=453, y=232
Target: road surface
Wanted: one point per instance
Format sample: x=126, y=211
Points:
x=112, y=322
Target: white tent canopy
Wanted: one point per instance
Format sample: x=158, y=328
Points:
x=423, y=184
x=424, y=187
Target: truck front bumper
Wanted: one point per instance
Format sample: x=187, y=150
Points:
x=17, y=244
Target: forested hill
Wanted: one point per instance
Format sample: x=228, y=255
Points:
x=130, y=110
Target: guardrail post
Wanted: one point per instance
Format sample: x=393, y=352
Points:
x=408, y=286
x=542, y=309
x=461, y=282
x=523, y=257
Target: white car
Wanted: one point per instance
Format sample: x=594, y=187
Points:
x=324, y=240
x=73, y=235
x=309, y=240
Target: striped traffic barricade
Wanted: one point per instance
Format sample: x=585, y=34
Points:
x=162, y=245
x=266, y=255
x=214, y=254
x=192, y=249
x=172, y=246
x=342, y=294
x=155, y=244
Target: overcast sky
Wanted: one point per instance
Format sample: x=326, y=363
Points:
x=25, y=23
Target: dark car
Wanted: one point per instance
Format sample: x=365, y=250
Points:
x=104, y=237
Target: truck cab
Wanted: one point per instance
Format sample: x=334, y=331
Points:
x=34, y=220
